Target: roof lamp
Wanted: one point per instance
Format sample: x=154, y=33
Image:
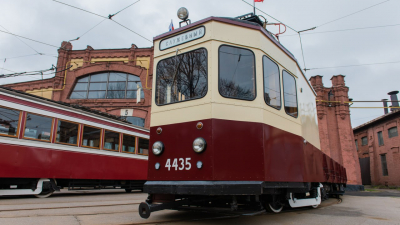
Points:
x=183, y=13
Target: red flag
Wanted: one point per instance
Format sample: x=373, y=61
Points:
x=258, y=0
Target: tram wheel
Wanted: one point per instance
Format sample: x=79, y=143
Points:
x=274, y=208
x=44, y=194
x=128, y=190
x=47, y=192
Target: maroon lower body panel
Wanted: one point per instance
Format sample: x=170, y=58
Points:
x=35, y=162
x=240, y=151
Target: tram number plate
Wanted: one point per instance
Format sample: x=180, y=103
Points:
x=178, y=164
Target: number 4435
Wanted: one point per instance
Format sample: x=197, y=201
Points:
x=178, y=164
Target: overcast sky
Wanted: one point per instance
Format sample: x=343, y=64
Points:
x=51, y=22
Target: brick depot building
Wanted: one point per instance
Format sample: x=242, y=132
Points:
x=378, y=146
x=115, y=81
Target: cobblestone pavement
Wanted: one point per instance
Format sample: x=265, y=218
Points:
x=118, y=207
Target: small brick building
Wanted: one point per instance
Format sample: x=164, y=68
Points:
x=116, y=81
x=378, y=146
x=335, y=132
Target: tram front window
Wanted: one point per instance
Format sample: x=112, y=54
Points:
x=182, y=77
x=236, y=73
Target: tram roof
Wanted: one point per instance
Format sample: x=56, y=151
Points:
x=238, y=22
x=64, y=104
x=232, y=21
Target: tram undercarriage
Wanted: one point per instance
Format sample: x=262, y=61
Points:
x=44, y=187
x=234, y=196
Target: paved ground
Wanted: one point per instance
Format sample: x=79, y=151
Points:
x=118, y=207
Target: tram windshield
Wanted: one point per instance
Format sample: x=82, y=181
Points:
x=236, y=73
x=182, y=77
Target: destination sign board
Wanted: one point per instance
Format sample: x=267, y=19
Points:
x=182, y=38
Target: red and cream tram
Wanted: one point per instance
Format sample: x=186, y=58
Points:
x=233, y=123
x=46, y=145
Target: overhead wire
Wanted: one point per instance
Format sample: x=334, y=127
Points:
x=367, y=64
x=8, y=70
x=29, y=39
x=351, y=29
x=18, y=56
x=110, y=16
x=301, y=44
x=131, y=31
x=91, y=29
x=80, y=9
x=352, y=13
x=33, y=73
x=22, y=41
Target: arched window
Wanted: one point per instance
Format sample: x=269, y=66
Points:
x=111, y=85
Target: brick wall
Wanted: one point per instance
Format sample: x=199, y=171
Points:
x=373, y=150
x=335, y=131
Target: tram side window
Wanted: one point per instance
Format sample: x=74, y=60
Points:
x=67, y=132
x=111, y=140
x=290, y=94
x=272, y=83
x=9, y=119
x=129, y=143
x=182, y=77
x=38, y=127
x=91, y=137
x=143, y=146
x=237, y=73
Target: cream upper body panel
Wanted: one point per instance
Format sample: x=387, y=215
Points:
x=213, y=105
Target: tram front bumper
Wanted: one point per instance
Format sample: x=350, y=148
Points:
x=204, y=187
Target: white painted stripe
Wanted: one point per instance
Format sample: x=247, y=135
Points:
x=73, y=119
x=61, y=147
x=67, y=108
x=38, y=190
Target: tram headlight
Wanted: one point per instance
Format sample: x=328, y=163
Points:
x=199, y=145
x=183, y=13
x=158, y=147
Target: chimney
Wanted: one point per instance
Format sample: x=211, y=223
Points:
x=393, y=98
x=386, y=110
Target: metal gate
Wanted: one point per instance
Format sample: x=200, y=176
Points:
x=365, y=171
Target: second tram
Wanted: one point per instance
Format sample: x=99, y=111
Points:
x=47, y=145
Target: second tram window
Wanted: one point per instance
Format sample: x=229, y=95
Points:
x=129, y=143
x=272, y=83
x=38, y=127
x=67, y=132
x=111, y=140
x=91, y=137
x=9, y=119
x=290, y=94
x=143, y=146
x=236, y=73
